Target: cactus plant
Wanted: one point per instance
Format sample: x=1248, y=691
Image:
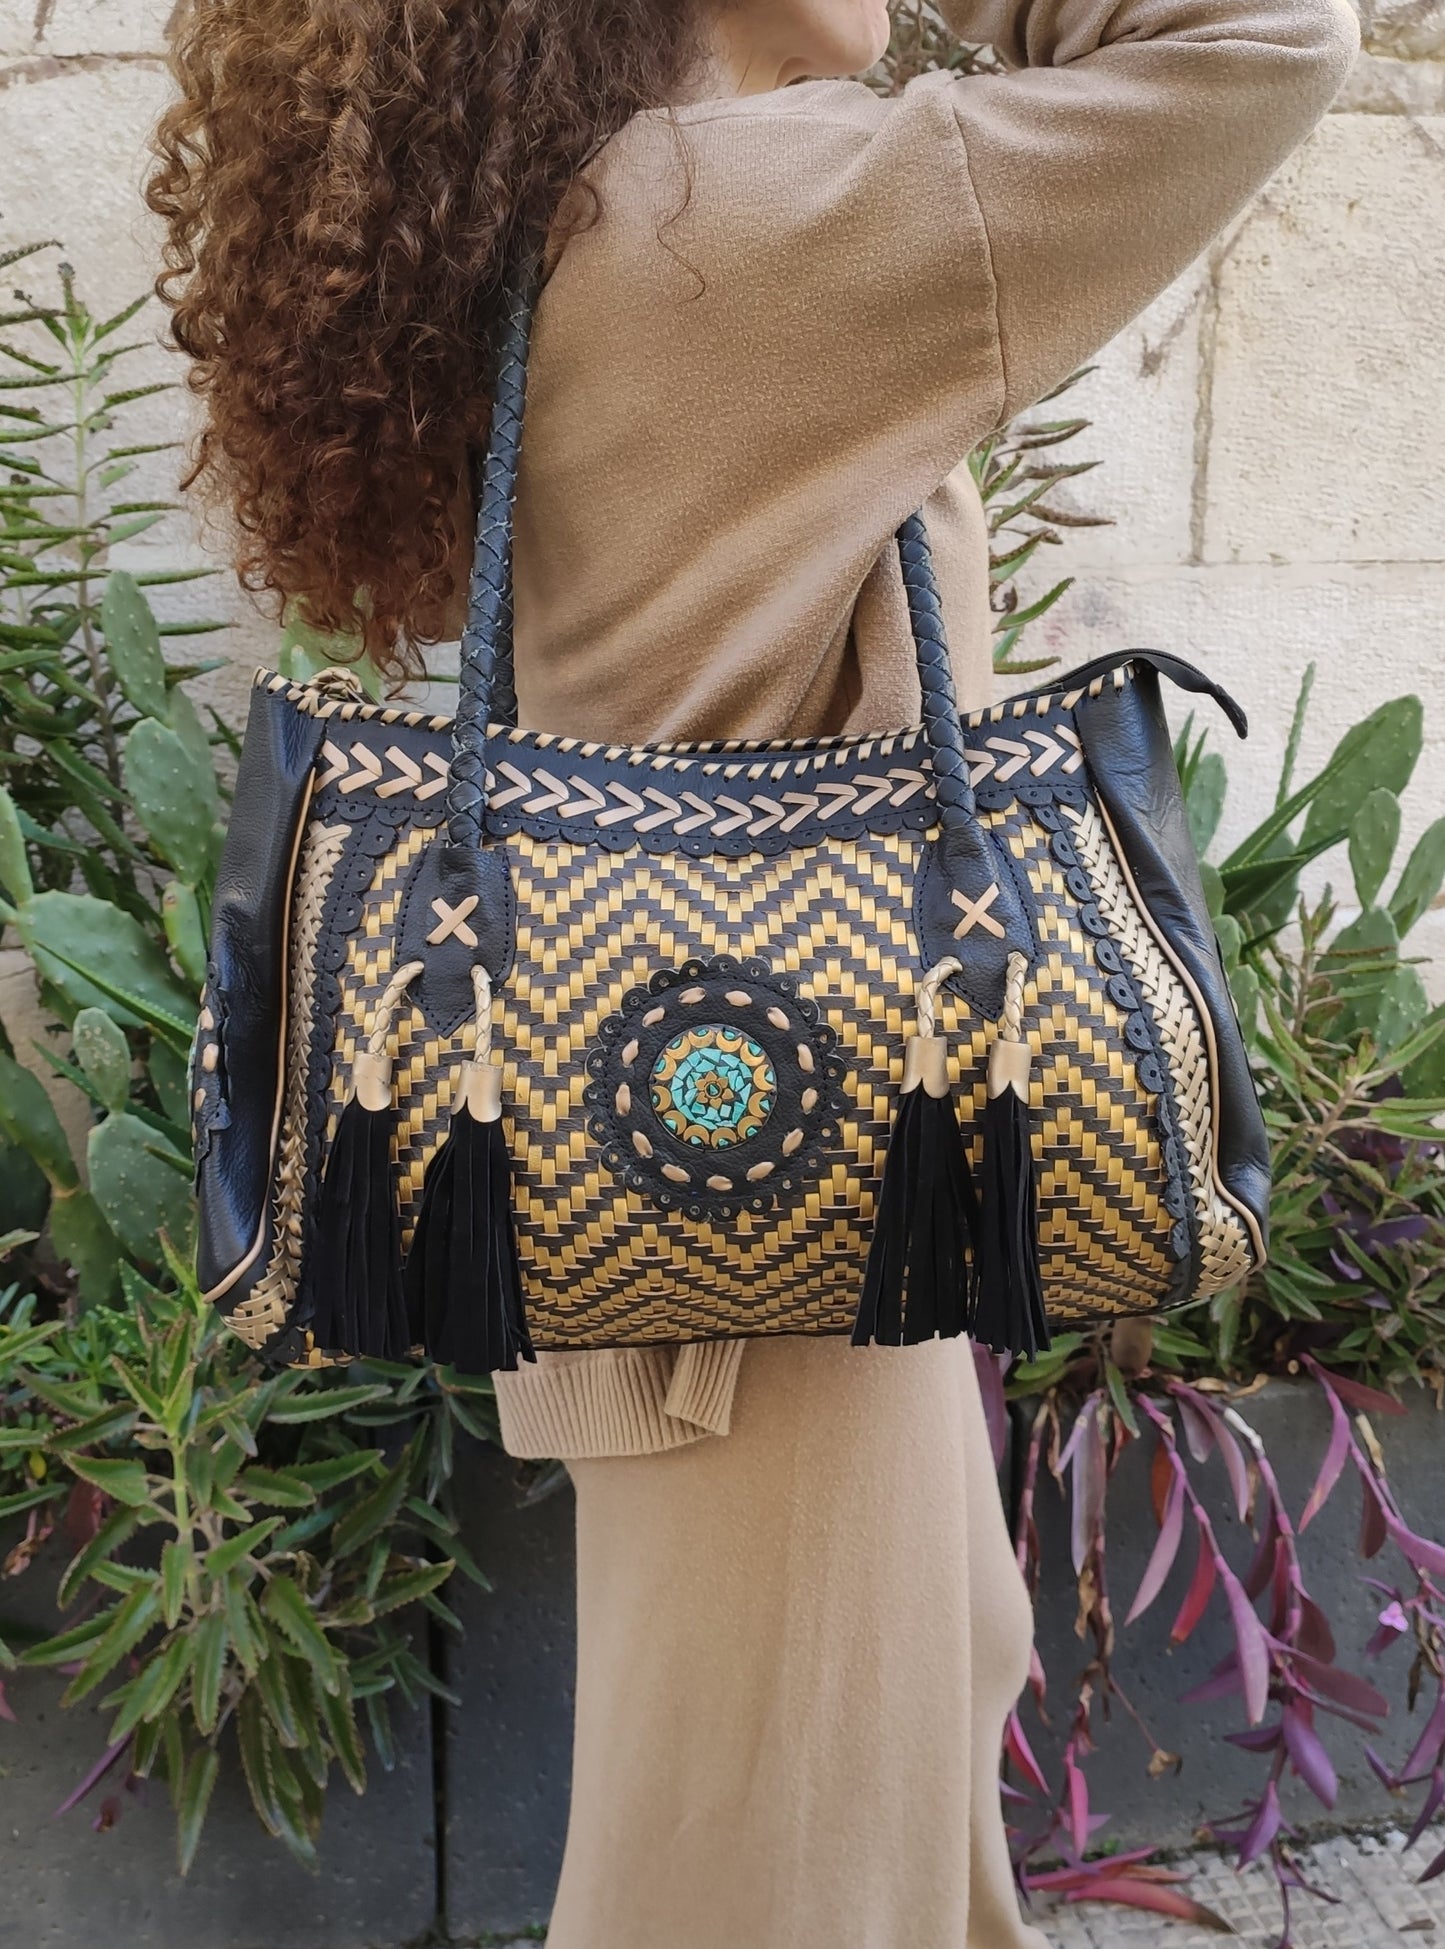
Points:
x=141, y=1187
x=133, y=645
x=1373, y=839
x=173, y=790
x=109, y=808
x=92, y=955
x=28, y=1119
x=104, y=1054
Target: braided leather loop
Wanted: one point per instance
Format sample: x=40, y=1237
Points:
x=486, y=690
x=942, y=726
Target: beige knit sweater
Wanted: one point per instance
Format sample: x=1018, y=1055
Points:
x=797, y=315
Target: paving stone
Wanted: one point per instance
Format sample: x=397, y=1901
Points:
x=1379, y=1903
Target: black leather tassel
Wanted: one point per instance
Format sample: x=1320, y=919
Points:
x=358, y=1304
x=463, y=1278
x=916, y=1285
x=1008, y=1310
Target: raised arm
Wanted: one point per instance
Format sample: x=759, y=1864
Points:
x=1125, y=137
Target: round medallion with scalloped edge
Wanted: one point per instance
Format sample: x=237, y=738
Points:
x=715, y=1089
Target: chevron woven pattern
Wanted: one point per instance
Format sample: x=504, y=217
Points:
x=604, y=1267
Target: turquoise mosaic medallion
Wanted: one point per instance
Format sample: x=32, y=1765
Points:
x=713, y=1085
x=715, y=1089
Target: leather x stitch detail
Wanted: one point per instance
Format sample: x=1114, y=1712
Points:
x=453, y=920
x=976, y=914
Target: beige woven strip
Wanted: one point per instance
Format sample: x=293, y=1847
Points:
x=1226, y=1252
x=263, y=1312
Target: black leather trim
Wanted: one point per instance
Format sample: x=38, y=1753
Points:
x=1129, y=753
x=969, y=863
x=246, y=990
x=1173, y=667
x=474, y=889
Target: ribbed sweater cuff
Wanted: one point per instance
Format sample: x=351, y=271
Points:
x=630, y=1401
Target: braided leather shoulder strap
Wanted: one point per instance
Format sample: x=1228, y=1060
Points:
x=487, y=691
x=942, y=726
x=487, y=688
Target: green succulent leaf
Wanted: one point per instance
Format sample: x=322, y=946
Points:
x=15, y=881
x=1380, y=752
x=104, y=1054
x=153, y=1689
x=1373, y=839
x=114, y=1532
x=185, y=931
x=1204, y=799
x=277, y=1488
x=140, y=1194
x=1361, y=959
x=412, y=1586
x=305, y=652
x=1421, y=879
x=133, y=644
x=126, y=1624
x=212, y=1644
x=286, y=1692
x=96, y=956
x=287, y=1609
x=223, y=1557
x=185, y=720
x=1423, y=1070
x=197, y=1786
x=28, y=1119
x=1401, y=1007
x=85, y=1243
x=125, y=1481
x=340, y=1718
x=173, y=789
x=1244, y=987
x=177, y=1562
x=324, y=1404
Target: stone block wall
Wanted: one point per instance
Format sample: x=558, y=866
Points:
x=1271, y=430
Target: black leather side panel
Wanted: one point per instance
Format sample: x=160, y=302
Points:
x=246, y=984
x=1127, y=747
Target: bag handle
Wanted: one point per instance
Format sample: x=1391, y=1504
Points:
x=487, y=691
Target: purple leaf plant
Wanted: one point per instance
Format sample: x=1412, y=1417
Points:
x=1280, y=1666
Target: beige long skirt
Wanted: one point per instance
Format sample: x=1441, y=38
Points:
x=797, y=1647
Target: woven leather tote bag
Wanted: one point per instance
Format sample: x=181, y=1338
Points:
x=516, y=1041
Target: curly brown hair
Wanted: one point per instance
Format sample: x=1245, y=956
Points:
x=344, y=184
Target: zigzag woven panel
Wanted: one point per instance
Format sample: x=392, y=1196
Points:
x=599, y=1264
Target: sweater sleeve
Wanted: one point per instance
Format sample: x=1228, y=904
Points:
x=796, y=313
x=1124, y=137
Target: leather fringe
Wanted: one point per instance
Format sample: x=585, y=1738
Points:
x=463, y=1276
x=1008, y=1306
x=358, y=1304
x=916, y=1286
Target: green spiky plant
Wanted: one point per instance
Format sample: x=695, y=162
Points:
x=247, y=1552
x=110, y=807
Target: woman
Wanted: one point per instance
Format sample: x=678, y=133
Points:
x=776, y=320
